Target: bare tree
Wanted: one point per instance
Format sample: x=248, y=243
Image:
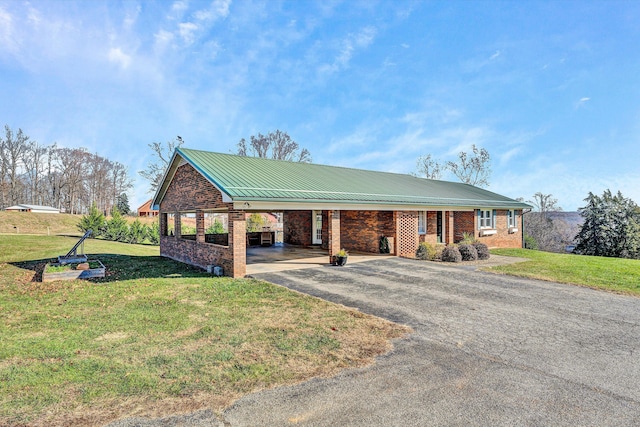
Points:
x=72, y=165
x=33, y=160
x=13, y=148
x=474, y=168
x=275, y=145
x=121, y=182
x=428, y=167
x=548, y=234
x=162, y=156
x=544, y=203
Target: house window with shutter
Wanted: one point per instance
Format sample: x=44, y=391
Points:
x=486, y=219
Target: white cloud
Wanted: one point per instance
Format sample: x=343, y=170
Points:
x=131, y=18
x=582, y=102
x=187, y=32
x=179, y=6
x=218, y=9
x=163, y=38
x=347, y=47
x=116, y=55
x=7, y=40
x=495, y=55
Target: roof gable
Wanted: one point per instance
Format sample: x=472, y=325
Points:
x=251, y=179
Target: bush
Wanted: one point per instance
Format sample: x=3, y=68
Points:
x=451, y=253
x=530, y=242
x=468, y=252
x=216, y=228
x=429, y=252
x=422, y=251
x=468, y=238
x=483, y=250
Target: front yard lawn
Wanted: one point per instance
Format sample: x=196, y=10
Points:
x=156, y=337
x=612, y=274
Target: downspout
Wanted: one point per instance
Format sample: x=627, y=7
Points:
x=522, y=223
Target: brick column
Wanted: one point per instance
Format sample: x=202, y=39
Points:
x=200, y=226
x=163, y=224
x=333, y=232
x=238, y=243
x=177, y=224
x=449, y=216
x=396, y=231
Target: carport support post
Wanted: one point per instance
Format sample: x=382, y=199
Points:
x=333, y=232
x=450, y=230
x=238, y=243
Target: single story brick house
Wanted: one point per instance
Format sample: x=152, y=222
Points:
x=146, y=210
x=333, y=207
x=33, y=208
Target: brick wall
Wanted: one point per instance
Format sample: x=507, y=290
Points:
x=197, y=254
x=190, y=191
x=463, y=222
x=297, y=227
x=361, y=230
x=503, y=239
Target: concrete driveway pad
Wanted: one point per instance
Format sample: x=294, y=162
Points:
x=486, y=350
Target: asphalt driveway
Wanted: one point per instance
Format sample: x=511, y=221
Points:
x=486, y=350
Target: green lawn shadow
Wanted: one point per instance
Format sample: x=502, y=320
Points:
x=124, y=267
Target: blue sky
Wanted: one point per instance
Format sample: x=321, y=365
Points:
x=550, y=89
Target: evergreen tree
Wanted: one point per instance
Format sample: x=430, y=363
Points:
x=611, y=227
x=94, y=221
x=137, y=232
x=122, y=203
x=153, y=234
x=116, y=228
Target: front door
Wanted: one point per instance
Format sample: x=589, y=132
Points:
x=439, y=227
x=316, y=238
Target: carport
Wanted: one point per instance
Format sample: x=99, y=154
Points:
x=322, y=206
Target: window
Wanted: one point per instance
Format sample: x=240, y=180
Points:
x=511, y=218
x=486, y=219
x=422, y=222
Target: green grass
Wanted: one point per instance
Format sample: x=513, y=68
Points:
x=156, y=336
x=612, y=274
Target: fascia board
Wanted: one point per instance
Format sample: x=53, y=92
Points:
x=328, y=206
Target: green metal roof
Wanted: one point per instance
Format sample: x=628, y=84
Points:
x=251, y=179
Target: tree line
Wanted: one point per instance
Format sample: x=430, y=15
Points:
x=69, y=179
